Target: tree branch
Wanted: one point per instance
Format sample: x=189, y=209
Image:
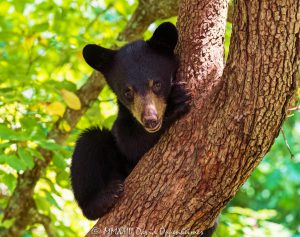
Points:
x=147, y=12
x=46, y=222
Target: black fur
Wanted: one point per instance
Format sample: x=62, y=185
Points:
x=209, y=232
x=103, y=159
x=97, y=172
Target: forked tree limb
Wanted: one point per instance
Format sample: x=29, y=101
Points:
x=197, y=167
x=148, y=11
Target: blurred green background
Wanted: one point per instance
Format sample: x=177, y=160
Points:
x=41, y=68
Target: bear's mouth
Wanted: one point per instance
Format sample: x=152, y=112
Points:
x=155, y=128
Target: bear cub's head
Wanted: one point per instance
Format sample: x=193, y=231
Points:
x=140, y=73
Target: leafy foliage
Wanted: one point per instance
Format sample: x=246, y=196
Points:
x=42, y=67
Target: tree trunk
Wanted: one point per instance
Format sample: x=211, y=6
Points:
x=184, y=182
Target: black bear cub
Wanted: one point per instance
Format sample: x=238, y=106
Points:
x=141, y=74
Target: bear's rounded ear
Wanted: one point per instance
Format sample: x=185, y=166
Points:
x=98, y=57
x=164, y=37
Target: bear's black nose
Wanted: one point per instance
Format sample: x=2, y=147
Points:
x=150, y=119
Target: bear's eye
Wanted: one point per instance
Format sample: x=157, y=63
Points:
x=129, y=94
x=156, y=86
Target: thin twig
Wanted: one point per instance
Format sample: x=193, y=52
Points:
x=109, y=6
x=108, y=100
x=46, y=222
x=294, y=108
x=287, y=144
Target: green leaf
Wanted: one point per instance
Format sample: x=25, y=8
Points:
x=36, y=154
x=40, y=27
x=49, y=145
x=62, y=179
x=10, y=181
x=14, y=162
x=52, y=185
x=10, y=134
x=6, y=133
x=5, y=144
x=42, y=203
x=52, y=200
x=2, y=158
x=28, y=122
x=59, y=161
x=26, y=157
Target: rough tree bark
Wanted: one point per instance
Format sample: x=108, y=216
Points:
x=194, y=171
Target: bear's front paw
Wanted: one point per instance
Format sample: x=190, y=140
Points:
x=103, y=201
x=178, y=101
x=115, y=189
x=110, y=195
